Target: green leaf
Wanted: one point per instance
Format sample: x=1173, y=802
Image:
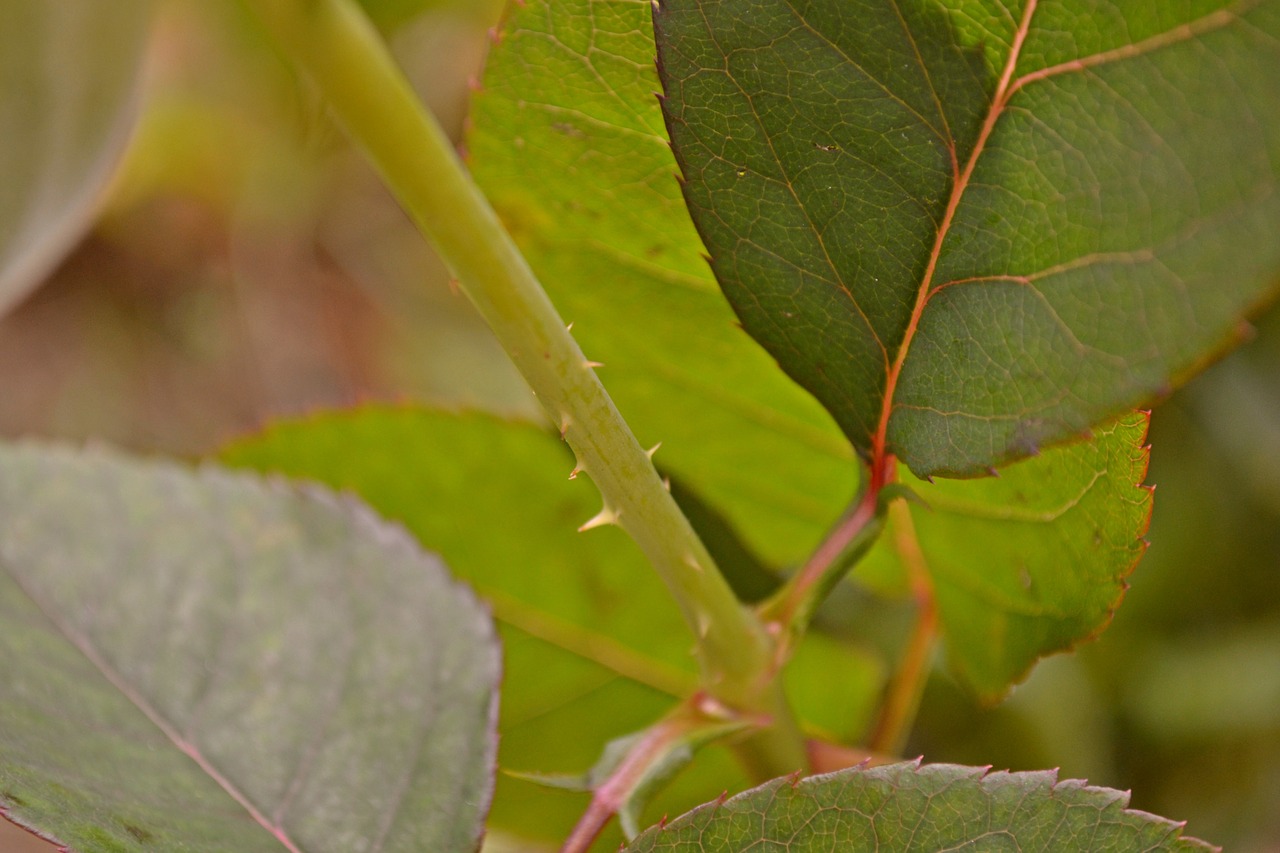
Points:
x=204, y=661
x=975, y=227
x=570, y=148
x=913, y=807
x=1033, y=561
x=69, y=75
x=595, y=648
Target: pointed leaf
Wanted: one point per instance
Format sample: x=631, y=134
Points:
x=1031, y=562
x=973, y=227
x=204, y=661
x=913, y=807
x=69, y=75
x=570, y=148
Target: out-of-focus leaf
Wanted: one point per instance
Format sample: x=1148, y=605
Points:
x=913, y=807
x=1033, y=561
x=595, y=648
x=975, y=227
x=570, y=148
x=204, y=661
x=68, y=89
x=1209, y=686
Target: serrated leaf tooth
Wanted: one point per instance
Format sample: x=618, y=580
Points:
x=692, y=562
x=666, y=483
x=653, y=450
x=565, y=423
x=592, y=365
x=577, y=469
x=569, y=326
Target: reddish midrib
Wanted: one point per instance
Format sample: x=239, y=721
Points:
x=881, y=466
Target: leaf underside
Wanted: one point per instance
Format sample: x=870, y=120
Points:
x=569, y=146
x=912, y=807
x=594, y=648
x=975, y=227
x=568, y=97
x=206, y=661
x=1031, y=562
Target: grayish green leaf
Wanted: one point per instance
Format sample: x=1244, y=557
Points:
x=69, y=75
x=207, y=661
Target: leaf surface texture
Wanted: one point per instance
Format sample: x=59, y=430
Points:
x=976, y=227
x=207, y=661
x=914, y=807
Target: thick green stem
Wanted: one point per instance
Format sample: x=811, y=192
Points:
x=333, y=43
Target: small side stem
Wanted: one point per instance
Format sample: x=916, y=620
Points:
x=791, y=608
x=906, y=690
x=334, y=44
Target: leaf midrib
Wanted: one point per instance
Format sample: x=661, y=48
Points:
x=85, y=646
x=1008, y=86
x=881, y=464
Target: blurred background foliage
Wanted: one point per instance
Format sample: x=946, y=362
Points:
x=248, y=265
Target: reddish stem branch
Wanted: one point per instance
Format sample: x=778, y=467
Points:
x=903, y=699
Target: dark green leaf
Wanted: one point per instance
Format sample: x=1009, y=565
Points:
x=975, y=227
x=913, y=807
x=68, y=90
x=203, y=661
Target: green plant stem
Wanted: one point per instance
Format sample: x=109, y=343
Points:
x=334, y=44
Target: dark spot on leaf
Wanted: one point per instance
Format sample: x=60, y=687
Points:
x=567, y=129
x=138, y=832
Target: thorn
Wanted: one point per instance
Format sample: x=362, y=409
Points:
x=569, y=328
x=593, y=364
x=653, y=450
x=991, y=469
x=577, y=469
x=704, y=626
x=600, y=519
x=495, y=35
x=474, y=84
x=565, y=422
x=453, y=286
x=666, y=483
x=710, y=707
x=724, y=795
x=692, y=562
x=794, y=778
x=662, y=824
